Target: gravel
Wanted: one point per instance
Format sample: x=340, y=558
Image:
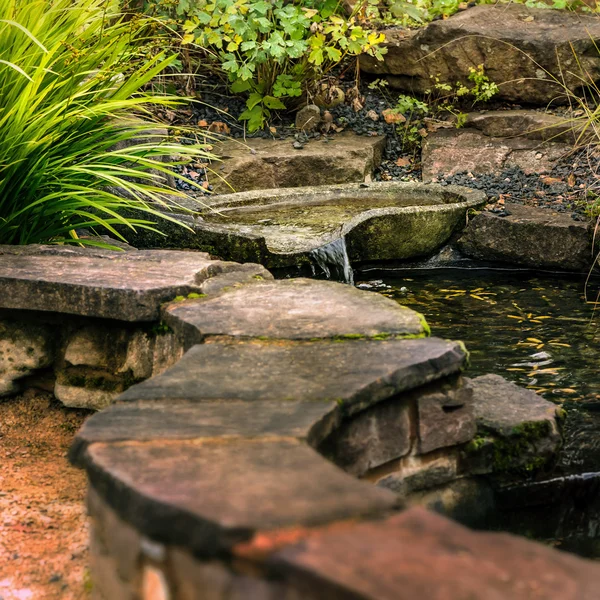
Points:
x=564, y=189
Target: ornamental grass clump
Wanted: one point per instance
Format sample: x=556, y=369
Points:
x=78, y=141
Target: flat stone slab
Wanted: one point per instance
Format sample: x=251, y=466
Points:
x=228, y=419
x=421, y=555
x=128, y=286
x=210, y=495
x=260, y=164
x=529, y=236
x=355, y=374
x=327, y=226
x=530, y=124
x=450, y=151
x=294, y=309
x=526, y=52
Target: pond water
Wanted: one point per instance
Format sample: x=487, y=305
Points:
x=540, y=333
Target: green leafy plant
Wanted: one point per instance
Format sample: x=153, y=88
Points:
x=73, y=115
x=272, y=51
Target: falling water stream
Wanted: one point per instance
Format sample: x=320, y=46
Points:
x=332, y=260
x=540, y=333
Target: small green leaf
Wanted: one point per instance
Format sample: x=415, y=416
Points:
x=275, y=103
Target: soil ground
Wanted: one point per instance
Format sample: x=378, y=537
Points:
x=43, y=530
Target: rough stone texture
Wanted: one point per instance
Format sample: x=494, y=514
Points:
x=128, y=286
x=417, y=474
x=156, y=420
x=417, y=554
x=371, y=438
x=246, y=273
x=530, y=124
x=115, y=536
x=516, y=428
x=501, y=406
x=210, y=495
x=445, y=417
x=517, y=45
x=293, y=309
x=24, y=348
x=450, y=151
x=356, y=373
x=84, y=397
x=529, y=236
x=267, y=164
x=308, y=118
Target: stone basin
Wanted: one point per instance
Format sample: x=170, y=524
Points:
x=288, y=227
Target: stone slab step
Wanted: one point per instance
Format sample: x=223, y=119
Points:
x=260, y=164
x=294, y=309
x=529, y=236
x=210, y=495
x=128, y=286
x=355, y=374
x=450, y=151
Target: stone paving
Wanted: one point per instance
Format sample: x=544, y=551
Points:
x=220, y=475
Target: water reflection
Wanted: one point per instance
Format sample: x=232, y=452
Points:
x=540, y=333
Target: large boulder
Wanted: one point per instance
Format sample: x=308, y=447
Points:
x=525, y=51
x=529, y=236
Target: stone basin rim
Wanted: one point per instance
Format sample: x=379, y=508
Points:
x=471, y=196
x=466, y=199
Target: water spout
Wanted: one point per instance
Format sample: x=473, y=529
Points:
x=333, y=260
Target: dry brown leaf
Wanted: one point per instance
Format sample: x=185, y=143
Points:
x=571, y=180
x=219, y=127
x=550, y=180
x=392, y=116
x=357, y=104
x=203, y=123
x=403, y=161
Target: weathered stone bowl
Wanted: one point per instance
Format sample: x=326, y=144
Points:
x=286, y=227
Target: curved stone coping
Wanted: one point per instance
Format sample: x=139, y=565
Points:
x=291, y=222
x=254, y=389
x=210, y=495
x=293, y=309
x=420, y=555
x=128, y=286
x=212, y=450
x=354, y=374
